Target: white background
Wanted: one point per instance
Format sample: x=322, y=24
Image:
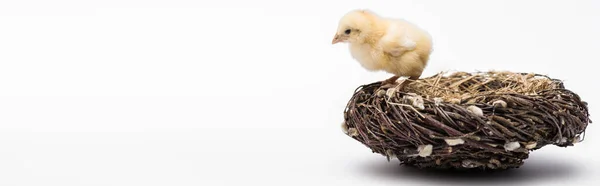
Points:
x=126, y=92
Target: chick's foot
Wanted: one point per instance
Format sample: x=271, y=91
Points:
x=390, y=82
x=406, y=82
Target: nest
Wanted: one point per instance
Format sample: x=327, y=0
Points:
x=484, y=120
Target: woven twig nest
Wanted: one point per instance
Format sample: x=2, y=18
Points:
x=486, y=120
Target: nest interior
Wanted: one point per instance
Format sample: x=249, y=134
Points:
x=486, y=120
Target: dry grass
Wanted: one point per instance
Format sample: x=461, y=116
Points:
x=487, y=120
x=462, y=85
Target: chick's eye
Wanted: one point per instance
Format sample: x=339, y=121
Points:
x=347, y=31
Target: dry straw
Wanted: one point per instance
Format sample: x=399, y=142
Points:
x=486, y=120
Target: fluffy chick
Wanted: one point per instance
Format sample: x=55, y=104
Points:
x=385, y=44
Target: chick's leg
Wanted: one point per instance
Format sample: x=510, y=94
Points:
x=389, y=83
x=391, y=80
x=407, y=82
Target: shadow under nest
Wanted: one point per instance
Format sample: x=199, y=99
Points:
x=485, y=120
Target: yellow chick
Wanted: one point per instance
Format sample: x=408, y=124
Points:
x=392, y=45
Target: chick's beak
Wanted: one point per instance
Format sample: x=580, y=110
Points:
x=336, y=39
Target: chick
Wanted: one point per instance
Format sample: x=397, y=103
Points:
x=385, y=44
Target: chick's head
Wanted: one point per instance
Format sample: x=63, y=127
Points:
x=354, y=26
